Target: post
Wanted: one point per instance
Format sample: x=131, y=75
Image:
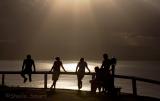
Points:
x=3, y=77
x=45, y=81
x=134, y=87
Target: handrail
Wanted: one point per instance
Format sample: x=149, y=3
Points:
x=133, y=78
x=138, y=79
x=40, y=72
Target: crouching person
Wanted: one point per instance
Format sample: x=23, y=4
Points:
x=96, y=82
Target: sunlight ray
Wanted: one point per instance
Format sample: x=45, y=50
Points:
x=78, y=14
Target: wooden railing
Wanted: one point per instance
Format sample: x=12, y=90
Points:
x=45, y=73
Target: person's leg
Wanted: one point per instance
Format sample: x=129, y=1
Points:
x=79, y=84
x=58, y=74
x=93, y=86
x=52, y=85
x=99, y=86
x=30, y=77
x=24, y=77
x=53, y=77
x=111, y=86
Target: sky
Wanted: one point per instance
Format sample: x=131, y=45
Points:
x=126, y=29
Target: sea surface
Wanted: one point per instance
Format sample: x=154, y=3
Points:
x=144, y=69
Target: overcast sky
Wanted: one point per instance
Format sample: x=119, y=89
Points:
x=126, y=29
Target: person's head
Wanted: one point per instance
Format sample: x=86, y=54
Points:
x=57, y=58
x=105, y=56
x=28, y=56
x=113, y=61
x=82, y=59
x=96, y=69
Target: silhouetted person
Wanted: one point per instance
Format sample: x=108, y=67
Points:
x=113, y=63
x=80, y=70
x=106, y=62
x=27, y=68
x=96, y=81
x=56, y=71
x=105, y=69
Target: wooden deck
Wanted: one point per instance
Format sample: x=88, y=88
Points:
x=37, y=94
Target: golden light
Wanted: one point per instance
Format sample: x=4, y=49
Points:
x=71, y=67
x=66, y=81
x=82, y=5
x=74, y=16
x=69, y=6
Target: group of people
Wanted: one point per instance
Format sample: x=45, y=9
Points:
x=103, y=78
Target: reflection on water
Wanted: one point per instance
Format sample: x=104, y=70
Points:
x=70, y=66
x=69, y=81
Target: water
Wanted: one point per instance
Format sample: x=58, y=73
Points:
x=144, y=69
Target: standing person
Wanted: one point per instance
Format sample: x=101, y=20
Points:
x=80, y=70
x=56, y=71
x=27, y=68
x=105, y=68
x=113, y=64
x=106, y=62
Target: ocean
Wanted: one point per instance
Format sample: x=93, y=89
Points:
x=144, y=69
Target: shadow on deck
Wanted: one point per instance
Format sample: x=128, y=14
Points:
x=40, y=94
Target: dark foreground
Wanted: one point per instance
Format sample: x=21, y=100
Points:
x=31, y=94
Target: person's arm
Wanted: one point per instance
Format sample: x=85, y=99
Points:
x=87, y=68
x=34, y=66
x=113, y=69
x=63, y=67
x=102, y=65
x=77, y=67
x=23, y=65
x=52, y=68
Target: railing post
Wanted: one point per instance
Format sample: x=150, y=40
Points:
x=45, y=80
x=3, y=77
x=134, y=87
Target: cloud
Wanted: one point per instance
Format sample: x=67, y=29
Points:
x=137, y=39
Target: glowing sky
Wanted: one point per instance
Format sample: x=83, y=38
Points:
x=127, y=29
